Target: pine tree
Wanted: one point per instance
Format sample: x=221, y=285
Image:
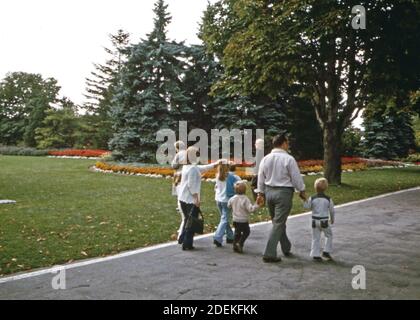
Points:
x=150, y=95
x=100, y=88
x=200, y=73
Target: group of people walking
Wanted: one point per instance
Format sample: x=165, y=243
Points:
x=274, y=184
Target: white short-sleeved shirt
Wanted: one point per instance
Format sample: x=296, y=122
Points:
x=220, y=191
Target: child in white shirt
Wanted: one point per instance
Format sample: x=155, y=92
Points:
x=241, y=208
x=322, y=214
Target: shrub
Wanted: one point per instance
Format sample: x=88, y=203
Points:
x=22, y=151
x=415, y=157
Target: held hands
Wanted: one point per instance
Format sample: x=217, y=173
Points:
x=303, y=195
x=260, y=200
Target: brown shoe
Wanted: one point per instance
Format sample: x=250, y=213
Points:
x=271, y=259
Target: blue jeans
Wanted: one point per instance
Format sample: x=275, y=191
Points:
x=224, y=226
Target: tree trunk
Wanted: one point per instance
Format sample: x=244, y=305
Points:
x=332, y=154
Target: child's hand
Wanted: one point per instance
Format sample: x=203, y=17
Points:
x=332, y=221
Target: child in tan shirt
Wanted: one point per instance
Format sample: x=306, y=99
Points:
x=241, y=208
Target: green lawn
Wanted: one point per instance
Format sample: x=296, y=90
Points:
x=64, y=212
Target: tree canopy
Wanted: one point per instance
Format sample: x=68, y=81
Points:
x=24, y=100
x=269, y=46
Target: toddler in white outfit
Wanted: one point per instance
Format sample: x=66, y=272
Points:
x=323, y=214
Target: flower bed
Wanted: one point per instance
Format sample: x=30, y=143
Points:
x=83, y=153
x=308, y=167
x=147, y=171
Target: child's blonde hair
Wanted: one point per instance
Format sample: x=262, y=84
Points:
x=222, y=171
x=240, y=187
x=321, y=185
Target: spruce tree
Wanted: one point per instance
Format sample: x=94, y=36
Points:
x=100, y=88
x=150, y=95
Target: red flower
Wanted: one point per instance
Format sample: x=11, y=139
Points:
x=78, y=153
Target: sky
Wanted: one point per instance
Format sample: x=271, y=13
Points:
x=62, y=38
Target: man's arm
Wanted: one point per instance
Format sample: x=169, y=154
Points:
x=296, y=178
x=261, y=178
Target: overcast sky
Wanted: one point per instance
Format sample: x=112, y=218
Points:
x=62, y=38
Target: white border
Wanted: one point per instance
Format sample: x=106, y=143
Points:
x=165, y=245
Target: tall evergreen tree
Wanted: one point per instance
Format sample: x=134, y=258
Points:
x=150, y=95
x=100, y=88
x=201, y=70
x=101, y=84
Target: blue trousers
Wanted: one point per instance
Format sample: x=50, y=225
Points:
x=224, y=226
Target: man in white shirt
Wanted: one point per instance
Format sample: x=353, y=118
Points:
x=278, y=177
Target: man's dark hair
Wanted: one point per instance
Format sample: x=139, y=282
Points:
x=279, y=139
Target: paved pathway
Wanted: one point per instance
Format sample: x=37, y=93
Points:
x=381, y=234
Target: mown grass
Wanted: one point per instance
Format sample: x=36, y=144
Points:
x=64, y=212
